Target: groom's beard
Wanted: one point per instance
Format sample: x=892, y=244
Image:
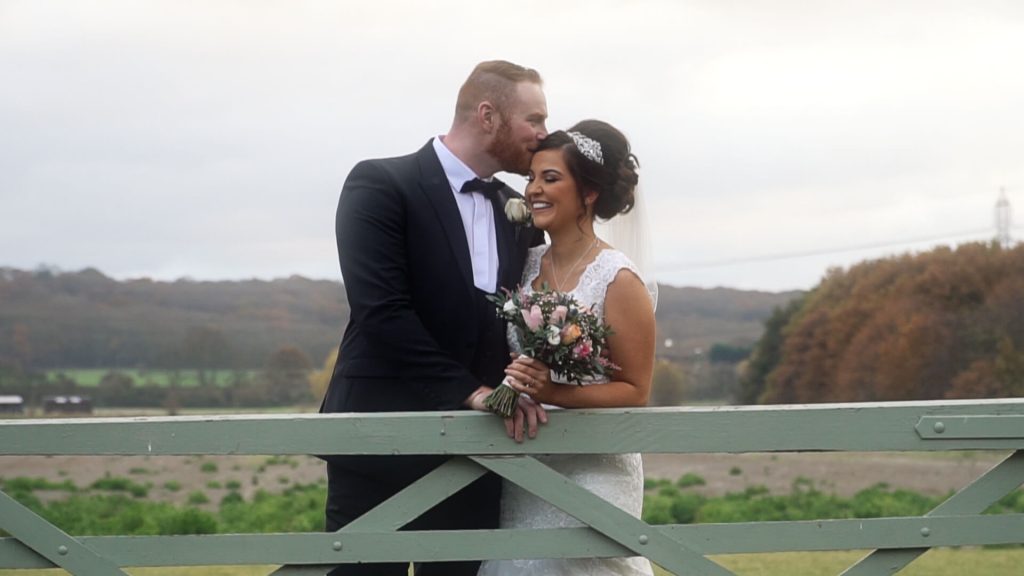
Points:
x=511, y=156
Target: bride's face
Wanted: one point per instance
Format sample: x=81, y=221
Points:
x=551, y=192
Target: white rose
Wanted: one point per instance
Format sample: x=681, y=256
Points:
x=509, y=306
x=517, y=211
x=554, y=335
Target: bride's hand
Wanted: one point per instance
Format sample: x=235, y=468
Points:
x=532, y=377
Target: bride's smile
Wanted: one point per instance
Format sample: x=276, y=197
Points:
x=551, y=192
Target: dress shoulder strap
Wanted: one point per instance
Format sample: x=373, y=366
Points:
x=600, y=273
x=532, y=267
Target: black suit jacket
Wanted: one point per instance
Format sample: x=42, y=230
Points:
x=405, y=262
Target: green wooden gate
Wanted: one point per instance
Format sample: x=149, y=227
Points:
x=477, y=443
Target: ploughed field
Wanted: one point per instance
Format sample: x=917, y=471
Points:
x=174, y=478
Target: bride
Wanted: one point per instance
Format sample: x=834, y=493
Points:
x=576, y=176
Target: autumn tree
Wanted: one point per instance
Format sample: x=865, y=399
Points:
x=205, y=349
x=766, y=354
x=286, y=377
x=946, y=323
x=319, y=380
x=669, y=384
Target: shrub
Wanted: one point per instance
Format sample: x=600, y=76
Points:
x=118, y=515
x=213, y=485
x=115, y=514
x=233, y=485
x=116, y=484
x=198, y=498
x=300, y=508
x=231, y=498
x=172, y=485
x=879, y=501
x=685, y=506
x=756, y=504
x=187, y=521
x=27, y=499
x=690, y=479
x=208, y=467
x=25, y=484
x=652, y=483
x=669, y=491
x=657, y=509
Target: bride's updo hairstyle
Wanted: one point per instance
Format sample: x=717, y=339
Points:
x=608, y=168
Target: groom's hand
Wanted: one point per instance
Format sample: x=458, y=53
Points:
x=476, y=399
x=528, y=415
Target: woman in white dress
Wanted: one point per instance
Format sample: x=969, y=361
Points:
x=576, y=176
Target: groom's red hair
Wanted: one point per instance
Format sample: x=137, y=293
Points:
x=493, y=81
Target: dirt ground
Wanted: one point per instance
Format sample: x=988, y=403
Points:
x=841, y=473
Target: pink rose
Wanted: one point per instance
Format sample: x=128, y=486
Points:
x=558, y=316
x=533, y=318
x=582, y=350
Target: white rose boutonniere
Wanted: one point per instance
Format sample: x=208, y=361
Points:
x=517, y=211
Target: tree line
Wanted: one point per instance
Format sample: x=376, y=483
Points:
x=52, y=321
x=286, y=379
x=948, y=323
x=84, y=319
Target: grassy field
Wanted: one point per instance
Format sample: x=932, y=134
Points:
x=997, y=562
x=90, y=377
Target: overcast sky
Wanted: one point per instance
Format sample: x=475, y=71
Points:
x=210, y=139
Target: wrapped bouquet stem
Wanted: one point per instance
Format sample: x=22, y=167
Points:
x=504, y=398
x=554, y=328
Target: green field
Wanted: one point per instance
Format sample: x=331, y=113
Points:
x=995, y=562
x=90, y=377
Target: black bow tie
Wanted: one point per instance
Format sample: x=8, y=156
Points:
x=487, y=188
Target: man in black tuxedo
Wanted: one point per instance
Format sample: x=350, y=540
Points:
x=421, y=240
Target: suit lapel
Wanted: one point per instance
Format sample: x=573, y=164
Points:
x=438, y=191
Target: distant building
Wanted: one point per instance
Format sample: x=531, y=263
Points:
x=12, y=405
x=67, y=404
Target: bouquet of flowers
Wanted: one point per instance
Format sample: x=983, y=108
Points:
x=555, y=329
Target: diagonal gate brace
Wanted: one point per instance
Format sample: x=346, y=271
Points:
x=974, y=498
x=402, y=508
x=602, y=516
x=51, y=542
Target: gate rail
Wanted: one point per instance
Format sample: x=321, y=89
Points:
x=477, y=444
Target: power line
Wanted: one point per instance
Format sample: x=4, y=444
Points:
x=685, y=266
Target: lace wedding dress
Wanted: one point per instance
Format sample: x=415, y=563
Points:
x=618, y=478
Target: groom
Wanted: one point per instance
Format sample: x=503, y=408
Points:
x=421, y=240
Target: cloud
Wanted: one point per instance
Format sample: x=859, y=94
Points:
x=211, y=139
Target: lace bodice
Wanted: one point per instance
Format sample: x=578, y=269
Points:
x=593, y=283
x=590, y=290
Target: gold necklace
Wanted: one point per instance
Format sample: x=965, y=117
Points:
x=554, y=269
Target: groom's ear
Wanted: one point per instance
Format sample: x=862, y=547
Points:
x=488, y=117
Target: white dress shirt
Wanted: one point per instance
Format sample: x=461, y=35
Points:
x=477, y=219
